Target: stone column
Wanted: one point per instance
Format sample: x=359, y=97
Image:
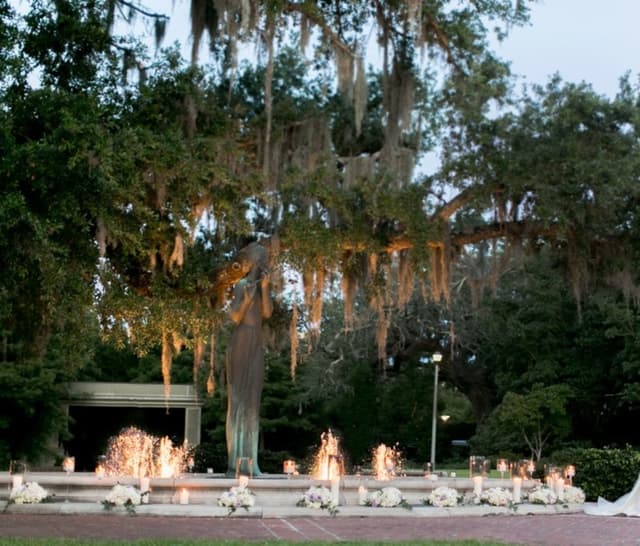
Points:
x=192, y=419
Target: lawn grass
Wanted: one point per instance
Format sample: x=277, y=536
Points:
x=464, y=472
x=202, y=542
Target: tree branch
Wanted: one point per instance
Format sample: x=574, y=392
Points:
x=496, y=230
x=138, y=8
x=442, y=40
x=313, y=15
x=450, y=207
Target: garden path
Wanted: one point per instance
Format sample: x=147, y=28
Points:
x=535, y=530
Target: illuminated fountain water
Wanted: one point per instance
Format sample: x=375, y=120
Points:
x=328, y=463
x=387, y=462
x=156, y=467
x=138, y=454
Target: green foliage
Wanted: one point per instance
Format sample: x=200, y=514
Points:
x=30, y=410
x=608, y=473
x=210, y=455
x=529, y=420
x=67, y=43
x=345, y=390
x=44, y=203
x=286, y=425
x=355, y=414
x=529, y=330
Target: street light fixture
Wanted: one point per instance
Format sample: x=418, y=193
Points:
x=437, y=358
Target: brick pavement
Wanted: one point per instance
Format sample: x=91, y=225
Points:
x=538, y=530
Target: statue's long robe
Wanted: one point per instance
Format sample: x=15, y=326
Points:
x=245, y=374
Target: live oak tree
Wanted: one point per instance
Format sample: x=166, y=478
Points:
x=327, y=197
x=145, y=189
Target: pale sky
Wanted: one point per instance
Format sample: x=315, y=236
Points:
x=596, y=41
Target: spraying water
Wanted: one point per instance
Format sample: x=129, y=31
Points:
x=138, y=454
x=328, y=463
x=387, y=462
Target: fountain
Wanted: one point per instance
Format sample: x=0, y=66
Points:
x=155, y=466
x=138, y=454
x=386, y=462
x=328, y=463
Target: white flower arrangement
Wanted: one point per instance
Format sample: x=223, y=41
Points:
x=318, y=496
x=29, y=493
x=443, y=497
x=574, y=495
x=542, y=494
x=237, y=497
x=123, y=495
x=387, y=497
x=496, y=496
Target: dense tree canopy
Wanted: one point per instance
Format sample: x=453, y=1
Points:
x=131, y=183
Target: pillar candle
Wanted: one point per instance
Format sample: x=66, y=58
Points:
x=184, y=496
x=144, y=489
x=569, y=473
x=335, y=490
x=16, y=482
x=560, y=489
x=517, y=487
x=69, y=464
x=362, y=495
x=477, y=485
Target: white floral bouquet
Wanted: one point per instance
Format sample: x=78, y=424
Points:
x=122, y=495
x=29, y=493
x=237, y=497
x=318, y=496
x=387, y=497
x=574, y=495
x=542, y=494
x=496, y=496
x=443, y=497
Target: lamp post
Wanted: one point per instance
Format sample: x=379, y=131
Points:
x=437, y=358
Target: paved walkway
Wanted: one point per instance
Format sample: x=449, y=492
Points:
x=536, y=530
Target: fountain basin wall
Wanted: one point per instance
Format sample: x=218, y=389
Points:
x=269, y=490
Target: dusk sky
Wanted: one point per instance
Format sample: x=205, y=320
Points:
x=583, y=40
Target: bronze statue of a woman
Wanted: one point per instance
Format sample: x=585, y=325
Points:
x=245, y=360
